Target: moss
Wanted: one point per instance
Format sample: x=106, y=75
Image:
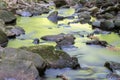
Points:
x=47, y=52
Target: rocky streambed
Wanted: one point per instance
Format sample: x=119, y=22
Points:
x=66, y=43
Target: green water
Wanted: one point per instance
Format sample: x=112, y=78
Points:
x=90, y=56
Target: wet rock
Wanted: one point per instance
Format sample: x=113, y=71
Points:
x=117, y=23
x=54, y=58
x=7, y=17
x=113, y=76
x=107, y=25
x=18, y=70
x=99, y=31
x=18, y=31
x=3, y=39
x=53, y=37
x=53, y=16
x=113, y=66
x=66, y=41
x=22, y=55
x=60, y=3
x=108, y=16
x=84, y=17
x=36, y=41
x=96, y=23
x=97, y=42
x=94, y=10
x=3, y=5
x=24, y=13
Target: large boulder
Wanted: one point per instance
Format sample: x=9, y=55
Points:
x=18, y=70
x=54, y=58
x=8, y=17
x=18, y=54
x=3, y=39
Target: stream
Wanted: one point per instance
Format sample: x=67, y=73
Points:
x=92, y=58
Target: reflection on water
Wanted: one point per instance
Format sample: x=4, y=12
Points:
x=92, y=57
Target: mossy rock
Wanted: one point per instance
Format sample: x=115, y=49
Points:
x=54, y=58
x=8, y=17
x=3, y=39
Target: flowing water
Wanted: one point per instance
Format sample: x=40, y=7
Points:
x=90, y=57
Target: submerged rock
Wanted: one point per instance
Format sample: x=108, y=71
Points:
x=54, y=58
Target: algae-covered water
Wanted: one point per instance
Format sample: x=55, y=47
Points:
x=92, y=57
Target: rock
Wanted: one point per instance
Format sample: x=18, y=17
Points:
x=97, y=42
x=18, y=54
x=2, y=25
x=99, y=31
x=53, y=37
x=107, y=25
x=8, y=17
x=113, y=66
x=24, y=13
x=84, y=17
x=53, y=16
x=94, y=10
x=3, y=39
x=108, y=16
x=18, y=70
x=66, y=41
x=36, y=41
x=117, y=23
x=113, y=76
x=3, y=5
x=60, y=39
x=96, y=24
x=18, y=31
x=55, y=58
x=60, y=3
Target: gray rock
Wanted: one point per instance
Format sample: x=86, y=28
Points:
x=96, y=23
x=22, y=55
x=36, y=41
x=54, y=58
x=18, y=31
x=8, y=17
x=53, y=37
x=3, y=39
x=18, y=70
x=117, y=23
x=113, y=66
x=53, y=16
x=107, y=25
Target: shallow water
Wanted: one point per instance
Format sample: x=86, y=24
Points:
x=92, y=57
